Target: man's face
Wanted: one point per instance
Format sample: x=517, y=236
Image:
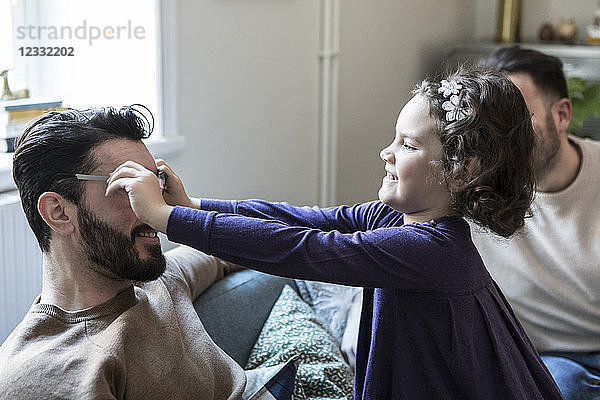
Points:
x=112, y=238
x=544, y=121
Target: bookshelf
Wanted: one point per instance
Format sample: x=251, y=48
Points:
x=16, y=114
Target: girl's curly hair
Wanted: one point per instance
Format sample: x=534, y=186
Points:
x=488, y=155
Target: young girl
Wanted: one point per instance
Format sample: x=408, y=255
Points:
x=434, y=325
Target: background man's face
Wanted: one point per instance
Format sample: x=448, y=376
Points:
x=112, y=237
x=544, y=124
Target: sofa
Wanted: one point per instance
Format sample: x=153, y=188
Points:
x=234, y=310
x=262, y=320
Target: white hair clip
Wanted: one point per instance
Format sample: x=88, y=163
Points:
x=449, y=88
x=454, y=112
x=453, y=107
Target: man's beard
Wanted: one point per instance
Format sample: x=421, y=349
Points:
x=114, y=253
x=546, y=151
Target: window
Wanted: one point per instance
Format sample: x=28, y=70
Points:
x=106, y=52
x=5, y=36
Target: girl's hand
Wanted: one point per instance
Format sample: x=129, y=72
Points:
x=145, y=196
x=174, y=193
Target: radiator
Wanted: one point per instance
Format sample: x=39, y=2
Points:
x=20, y=264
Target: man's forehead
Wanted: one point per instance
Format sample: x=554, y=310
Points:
x=113, y=153
x=525, y=83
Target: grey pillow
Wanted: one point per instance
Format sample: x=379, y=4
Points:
x=330, y=302
x=234, y=309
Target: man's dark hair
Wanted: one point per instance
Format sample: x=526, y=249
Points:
x=52, y=149
x=545, y=70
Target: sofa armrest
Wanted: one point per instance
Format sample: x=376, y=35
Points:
x=234, y=310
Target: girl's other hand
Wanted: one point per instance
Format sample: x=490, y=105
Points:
x=144, y=192
x=174, y=193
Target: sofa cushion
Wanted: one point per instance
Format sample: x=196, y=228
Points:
x=234, y=309
x=293, y=330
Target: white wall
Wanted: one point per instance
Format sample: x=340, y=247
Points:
x=248, y=73
x=248, y=84
x=387, y=46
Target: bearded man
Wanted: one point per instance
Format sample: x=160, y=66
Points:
x=550, y=272
x=115, y=317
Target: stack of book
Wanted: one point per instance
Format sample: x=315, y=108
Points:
x=16, y=114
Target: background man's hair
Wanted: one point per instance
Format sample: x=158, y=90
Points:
x=545, y=70
x=58, y=145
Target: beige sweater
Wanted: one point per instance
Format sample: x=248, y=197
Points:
x=146, y=343
x=550, y=272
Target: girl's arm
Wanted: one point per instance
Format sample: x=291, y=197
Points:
x=397, y=257
x=153, y=207
x=345, y=219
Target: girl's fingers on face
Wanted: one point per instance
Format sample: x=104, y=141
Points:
x=128, y=167
x=127, y=179
x=164, y=167
x=125, y=176
x=130, y=164
x=124, y=172
x=116, y=185
x=162, y=164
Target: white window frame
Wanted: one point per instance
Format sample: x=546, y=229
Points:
x=169, y=142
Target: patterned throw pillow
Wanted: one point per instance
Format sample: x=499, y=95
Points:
x=293, y=330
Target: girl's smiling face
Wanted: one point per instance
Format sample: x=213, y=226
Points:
x=413, y=183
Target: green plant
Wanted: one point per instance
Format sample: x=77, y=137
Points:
x=585, y=98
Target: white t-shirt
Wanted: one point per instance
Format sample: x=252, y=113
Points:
x=550, y=271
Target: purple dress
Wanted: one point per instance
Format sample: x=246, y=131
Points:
x=434, y=324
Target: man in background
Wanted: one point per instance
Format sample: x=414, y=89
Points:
x=550, y=272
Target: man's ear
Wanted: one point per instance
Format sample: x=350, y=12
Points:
x=57, y=212
x=564, y=109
